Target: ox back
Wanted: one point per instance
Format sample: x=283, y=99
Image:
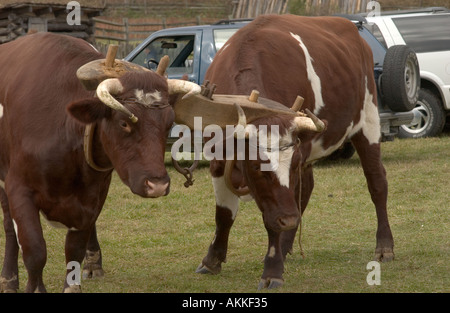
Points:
x=324, y=60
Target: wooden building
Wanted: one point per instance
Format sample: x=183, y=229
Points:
x=18, y=17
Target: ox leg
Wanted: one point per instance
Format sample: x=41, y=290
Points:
x=226, y=209
x=75, y=249
x=370, y=156
x=30, y=237
x=93, y=259
x=272, y=276
x=307, y=185
x=9, y=279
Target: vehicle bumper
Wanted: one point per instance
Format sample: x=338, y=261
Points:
x=390, y=121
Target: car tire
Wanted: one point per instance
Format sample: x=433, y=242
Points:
x=400, y=81
x=432, y=117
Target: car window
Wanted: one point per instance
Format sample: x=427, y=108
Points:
x=426, y=33
x=222, y=35
x=178, y=48
x=373, y=28
x=378, y=50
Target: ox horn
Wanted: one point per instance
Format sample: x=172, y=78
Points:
x=109, y=87
x=229, y=164
x=228, y=172
x=183, y=86
x=309, y=122
x=242, y=121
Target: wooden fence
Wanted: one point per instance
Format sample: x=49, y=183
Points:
x=328, y=7
x=253, y=8
x=192, y=8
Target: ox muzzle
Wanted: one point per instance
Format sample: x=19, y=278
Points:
x=157, y=188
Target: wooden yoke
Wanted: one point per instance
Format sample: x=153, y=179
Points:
x=111, y=55
x=93, y=73
x=220, y=109
x=162, y=66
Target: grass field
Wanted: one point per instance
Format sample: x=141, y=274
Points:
x=155, y=245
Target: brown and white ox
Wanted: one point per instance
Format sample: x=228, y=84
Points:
x=44, y=111
x=324, y=60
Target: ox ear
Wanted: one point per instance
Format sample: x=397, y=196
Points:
x=88, y=111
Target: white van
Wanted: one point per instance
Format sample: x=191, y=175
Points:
x=427, y=31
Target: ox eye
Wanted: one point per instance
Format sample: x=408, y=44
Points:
x=125, y=126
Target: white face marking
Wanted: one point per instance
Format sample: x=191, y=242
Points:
x=224, y=197
x=147, y=99
x=281, y=164
x=312, y=76
x=1, y=110
x=280, y=160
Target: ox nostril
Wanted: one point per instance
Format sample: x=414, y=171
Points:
x=157, y=189
x=288, y=222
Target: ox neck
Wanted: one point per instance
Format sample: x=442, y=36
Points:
x=88, y=149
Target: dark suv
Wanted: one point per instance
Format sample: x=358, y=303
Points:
x=192, y=49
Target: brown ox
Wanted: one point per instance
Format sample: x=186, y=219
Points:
x=44, y=111
x=324, y=60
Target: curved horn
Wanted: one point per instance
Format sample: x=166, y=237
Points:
x=183, y=86
x=242, y=118
x=229, y=165
x=320, y=125
x=110, y=87
x=312, y=122
x=242, y=121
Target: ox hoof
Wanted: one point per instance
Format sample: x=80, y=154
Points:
x=92, y=265
x=384, y=255
x=9, y=285
x=270, y=283
x=92, y=272
x=203, y=269
x=73, y=289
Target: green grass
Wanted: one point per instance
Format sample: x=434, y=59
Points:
x=155, y=245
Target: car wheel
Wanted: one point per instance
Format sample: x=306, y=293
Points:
x=400, y=80
x=430, y=119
